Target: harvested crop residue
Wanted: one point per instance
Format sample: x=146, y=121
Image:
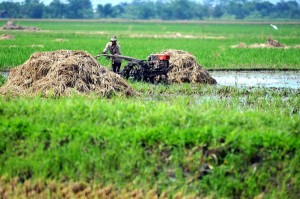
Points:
x=6, y=37
x=10, y=25
x=36, y=188
x=63, y=72
x=185, y=69
x=60, y=40
x=269, y=44
x=176, y=35
x=240, y=45
x=37, y=46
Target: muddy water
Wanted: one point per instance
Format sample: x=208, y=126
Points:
x=4, y=74
x=275, y=79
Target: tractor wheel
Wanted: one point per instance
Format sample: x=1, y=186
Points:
x=135, y=73
x=126, y=72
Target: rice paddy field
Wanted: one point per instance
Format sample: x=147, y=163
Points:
x=210, y=43
x=170, y=140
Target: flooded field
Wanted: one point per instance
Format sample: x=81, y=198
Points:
x=276, y=79
x=4, y=74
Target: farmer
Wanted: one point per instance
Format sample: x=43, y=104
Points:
x=114, y=49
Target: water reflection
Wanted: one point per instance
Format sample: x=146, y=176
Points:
x=276, y=79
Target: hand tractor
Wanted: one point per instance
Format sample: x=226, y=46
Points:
x=143, y=70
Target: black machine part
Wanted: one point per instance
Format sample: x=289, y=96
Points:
x=144, y=70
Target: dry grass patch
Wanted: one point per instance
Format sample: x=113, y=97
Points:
x=54, y=189
x=10, y=25
x=175, y=36
x=60, y=40
x=270, y=43
x=61, y=73
x=6, y=37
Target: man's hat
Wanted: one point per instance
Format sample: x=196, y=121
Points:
x=113, y=38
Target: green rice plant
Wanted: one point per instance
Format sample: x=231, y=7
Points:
x=156, y=142
x=2, y=80
x=210, y=43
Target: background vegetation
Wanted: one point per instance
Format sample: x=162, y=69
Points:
x=209, y=42
x=144, y=9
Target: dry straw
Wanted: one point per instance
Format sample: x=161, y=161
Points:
x=61, y=73
x=10, y=25
x=185, y=69
x=6, y=37
x=269, y=44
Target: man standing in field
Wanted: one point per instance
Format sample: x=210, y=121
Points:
x=114, y=49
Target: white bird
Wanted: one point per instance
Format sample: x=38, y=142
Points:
x=273, y=26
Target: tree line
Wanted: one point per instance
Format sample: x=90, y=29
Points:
x=153, y=9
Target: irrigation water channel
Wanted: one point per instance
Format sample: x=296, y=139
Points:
x=260, y=78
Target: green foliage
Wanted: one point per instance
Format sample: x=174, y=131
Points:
x=10, y=9
x=210, y=43
x=79, y=9
x=158, y=142
x=2, y=80
x=32, y=9
x=56, y=10
x=155, y=9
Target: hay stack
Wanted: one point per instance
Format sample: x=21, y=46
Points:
x=6, y=37
x=63, y=72
x=274, y=43
x=10, y=25
x=269, y=44
x=185, y=69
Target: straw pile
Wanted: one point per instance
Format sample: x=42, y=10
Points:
x=274, y=43
x=6, y=37
x=61, y=73
x=269, y=44
x=10, y=25
x=185, y=69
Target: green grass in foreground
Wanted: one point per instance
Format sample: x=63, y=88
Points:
x=194, y=140
x=211, y=43
x=161, y=142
